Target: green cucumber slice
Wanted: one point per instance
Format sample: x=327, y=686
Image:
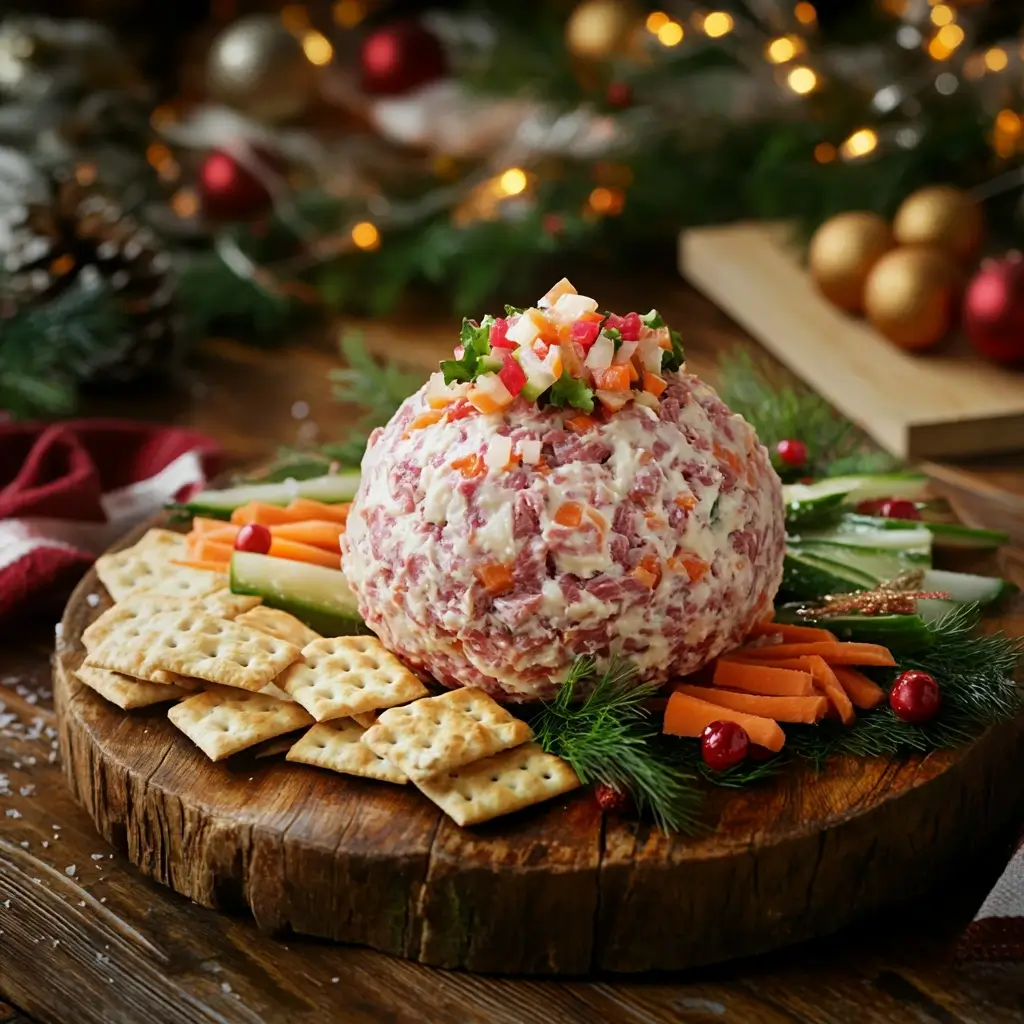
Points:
x=916, y=541
x=856, y=488
x=966, y=588
x=331, y=489
x=944, y=535
x=806, y=577
x=878, y=563
x=319, y=596
x=902, y=633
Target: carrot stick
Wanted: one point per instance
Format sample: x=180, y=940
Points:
x=224, y=535
x=209, y=566
x=688, y=716
x=307, y=508
x=863, y=692
x=296, y=552
x=766, y=680
x=834, y=653
x=264, y=514
x=832, y=688
x=318, y=532
x=793, y=634
x=200, y=524
x=202, y=549
x=808, y=710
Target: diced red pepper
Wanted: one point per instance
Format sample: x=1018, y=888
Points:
x=499, y=331
x=585, y=332
x=459, y=410
x=630, y=328
x=512, y=375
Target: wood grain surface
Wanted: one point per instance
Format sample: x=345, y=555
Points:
x=107, y=945
x=948, y=402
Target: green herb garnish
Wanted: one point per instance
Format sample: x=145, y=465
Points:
x=609, y=737
x=674, y=360
x=569, y=390
x=475, y=341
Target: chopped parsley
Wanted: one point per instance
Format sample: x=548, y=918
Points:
x=616, y=335
x=674, y=359
x=569, y=390
x=514, y=310
x=475, y=341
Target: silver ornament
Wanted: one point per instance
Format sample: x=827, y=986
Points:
x=256, y=65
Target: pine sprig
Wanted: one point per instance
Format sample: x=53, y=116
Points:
x=610, y=738
x=975, y=673
x=779, y=409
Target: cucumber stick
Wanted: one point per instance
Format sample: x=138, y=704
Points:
x=331, y=489
x=944, y=535
x=806, y=577
x=319, y=596
x=877, y=563
x=966, y=588
x=903, y=633
x=856, y=488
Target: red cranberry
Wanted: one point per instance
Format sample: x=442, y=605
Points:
x=611, y=799
x=792, y=453
x=870, y=506
x=724, y=744
x=915, y=697
x=898, y=508
x=253, y=538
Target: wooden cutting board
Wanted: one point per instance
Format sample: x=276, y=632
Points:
x=556, y=889
x=947, y=403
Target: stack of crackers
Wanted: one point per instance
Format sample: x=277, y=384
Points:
x=243, y=675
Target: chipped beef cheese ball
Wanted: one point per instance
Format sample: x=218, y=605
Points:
x=490, y=546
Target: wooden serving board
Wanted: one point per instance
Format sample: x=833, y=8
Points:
x=946, y=403
x=558, y=889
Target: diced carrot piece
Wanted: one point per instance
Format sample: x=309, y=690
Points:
x=807, y=710
x=591, y=317
x=317, y=532
x=826, y=680
x=202, y=549
x=687, y=501
x=837, y=653
x=794, y=634
x=647, y=578
x=293, y=551
x=426, y=419
x=307, y=508
x=557, y=290
x=863, y=692
x=654, y=383
x=496, y=577
x=470, y=466
x=694, y=567
x=262, y=513
x=634, y=373
x=569, y=514
x=614, y=378
x=581, y=424
x=200, y=524
x=688, y=716
x=763, y=679
x=205, y=566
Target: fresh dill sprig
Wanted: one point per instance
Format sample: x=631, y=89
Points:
x=609, y=737
x=975, y=672
x=780, y=409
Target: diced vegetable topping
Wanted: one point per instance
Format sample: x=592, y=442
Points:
x=561, y=352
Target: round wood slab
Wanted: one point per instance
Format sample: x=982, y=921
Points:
x=558, y=889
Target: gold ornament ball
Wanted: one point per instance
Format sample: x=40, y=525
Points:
x=598, y=29
x=943, y=216
x=910, y=295
x=843, y=251
x=257, y=66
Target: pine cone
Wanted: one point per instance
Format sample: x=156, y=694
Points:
x=83, y=238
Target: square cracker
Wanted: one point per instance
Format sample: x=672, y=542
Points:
x=222, y=722
x=335, y=745
x=346, y=675
x=148, y=569
x=442, y=733
x=283, y=625
x=500, y=784
x=125, y=692
x=192, y=642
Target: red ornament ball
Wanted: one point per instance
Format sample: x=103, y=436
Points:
x=231, y=190
x=724, y=744
x=898, y=508
x=619, y=94
x=993, y=309
x=611, y=799
x=254, y=538
x=792, y=453
x=398, y=58
x=915, y=697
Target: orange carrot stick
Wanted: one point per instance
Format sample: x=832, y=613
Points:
x=793, y=634
x=318, y=532
x=834, y=653
x=808, y=710
x=688, y=716
x=766, y=680
x=826, y=679
x=264, y=514
x=307, y=508
x=863, y=692
x=293, y=551
x=200, y=524
x=202, y=549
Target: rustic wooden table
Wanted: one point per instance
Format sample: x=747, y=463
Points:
x=84, y=938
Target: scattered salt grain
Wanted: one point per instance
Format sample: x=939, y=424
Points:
x=81, y=903
x=70, y=871
x=334, y=981
x=16, y=764
x=12, y=813
x=92, y=600
x=56, y=943
x=103, y=899
x=300, y=410
x=24, y=844
x=7, y=904
x=46, y=843
x=56, y=828
x=225, y=987
x=96, y=856
x=58, y=630
x=27, y=790
x=100, y=958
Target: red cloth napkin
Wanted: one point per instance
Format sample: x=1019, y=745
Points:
x=997, y=931
x=68, y=490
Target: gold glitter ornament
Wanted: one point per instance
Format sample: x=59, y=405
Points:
x=892, y=597
x=843, y=251
x=942, y=216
